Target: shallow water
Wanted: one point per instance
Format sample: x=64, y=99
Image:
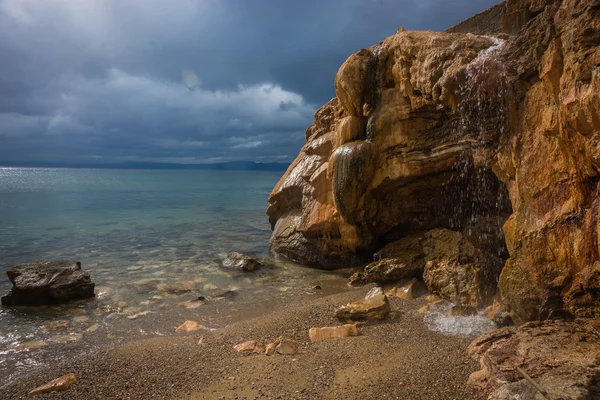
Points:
x=153, y=241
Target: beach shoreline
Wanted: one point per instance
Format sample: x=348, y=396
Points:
x=399, y=357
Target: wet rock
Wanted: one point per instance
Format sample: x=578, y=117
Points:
x=72, y=337
x=192, y=304
x=247, y=346
x=469, y=133
x=497, y=313
x=48, y=282
x=332, y=332
x=56, y=385
x=375, y=306
x=189, y=326
x=241, y=262
x=462, y=311
x=400, y=259
x=458, y=271
x=563, y=358
x=57, y=325
x=177, y=288
x=407, y=289
x=228, y=294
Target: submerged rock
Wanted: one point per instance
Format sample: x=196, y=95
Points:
x=56, y=385
x=48, y=282
x=241, y=262
x=375, y=306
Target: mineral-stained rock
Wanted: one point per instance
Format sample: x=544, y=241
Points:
x=58, y=384
x=563, y=358
x=373, y=307
x=462, y=311
x=457, y=271
x=241, y=262
x=48, y=282
x=468, y=133
x=189, y=326
x=332, y=332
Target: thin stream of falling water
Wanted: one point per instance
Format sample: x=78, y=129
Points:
x=482, y=110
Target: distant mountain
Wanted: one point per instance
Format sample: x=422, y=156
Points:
x=228, y=166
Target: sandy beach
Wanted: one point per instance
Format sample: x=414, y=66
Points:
x=397, y=358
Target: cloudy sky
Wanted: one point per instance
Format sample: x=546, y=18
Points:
x=185, y=81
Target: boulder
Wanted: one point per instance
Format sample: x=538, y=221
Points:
x=241, y=262
x=497, y=140
x=563, y=358
x=407, y=289
x=56, y=385
x=332, y=332
x=373, y=307
x=48, y=282
x=458, y=271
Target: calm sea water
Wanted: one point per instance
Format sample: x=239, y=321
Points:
x=153, y=241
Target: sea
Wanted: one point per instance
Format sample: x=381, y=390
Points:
x=153, y=241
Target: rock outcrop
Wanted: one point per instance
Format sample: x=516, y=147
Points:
x=467, y=133
x=562, y=358
x=48, y=282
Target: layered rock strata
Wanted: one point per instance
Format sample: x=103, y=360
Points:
x=466, y=133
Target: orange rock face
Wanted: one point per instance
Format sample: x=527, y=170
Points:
x=463, y=132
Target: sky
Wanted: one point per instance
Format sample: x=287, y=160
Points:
x=183, y=81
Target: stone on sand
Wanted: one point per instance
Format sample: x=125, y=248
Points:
x=58, y=384
x=189, y=326
x=247, y=346
x=375, y=306
x=332, y=332
x=286, y=346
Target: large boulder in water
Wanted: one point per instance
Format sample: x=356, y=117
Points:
x=48, y=282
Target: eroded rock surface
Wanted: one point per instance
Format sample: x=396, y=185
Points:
x=48, y=282
x=563, y=358
x=467, y=133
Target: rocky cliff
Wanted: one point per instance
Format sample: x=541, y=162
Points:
x=485, y=145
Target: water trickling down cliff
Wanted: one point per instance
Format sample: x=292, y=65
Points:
x=495, y=141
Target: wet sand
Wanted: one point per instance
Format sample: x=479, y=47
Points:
x=399, y=358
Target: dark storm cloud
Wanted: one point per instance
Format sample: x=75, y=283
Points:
x=185, y=80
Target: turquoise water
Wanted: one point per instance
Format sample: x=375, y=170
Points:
x=152, y=240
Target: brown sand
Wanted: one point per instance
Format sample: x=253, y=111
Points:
x=395, y=359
